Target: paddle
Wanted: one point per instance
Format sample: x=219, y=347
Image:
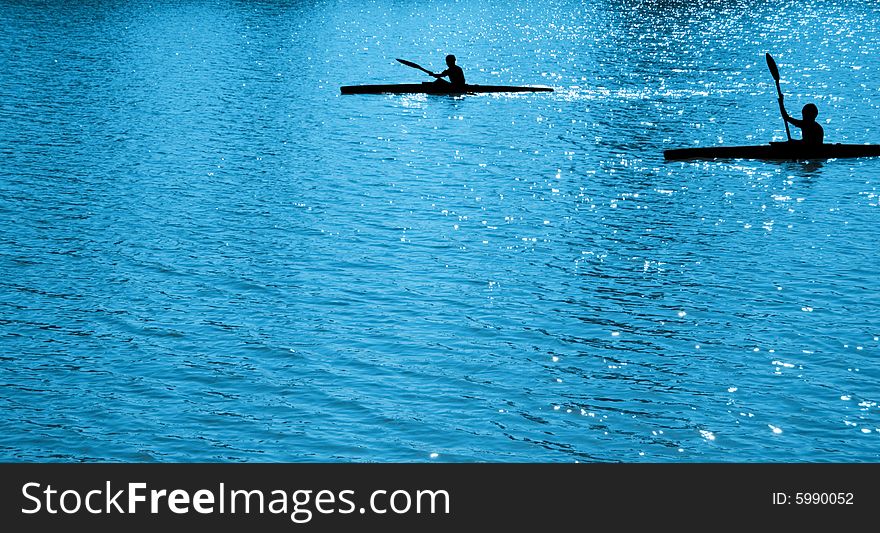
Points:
x=413, y=65
x=774, y=71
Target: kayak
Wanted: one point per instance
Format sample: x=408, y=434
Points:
x=435, y=88
x=775, y=151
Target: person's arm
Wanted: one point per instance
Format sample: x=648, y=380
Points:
x=788, y=118
x=791, y=120
x=444, y=73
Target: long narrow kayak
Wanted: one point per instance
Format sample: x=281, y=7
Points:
x=435, y=88
x=775, y=151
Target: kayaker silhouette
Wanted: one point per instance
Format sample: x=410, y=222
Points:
x=811, y=132
x=453, y=71
x=811, y=146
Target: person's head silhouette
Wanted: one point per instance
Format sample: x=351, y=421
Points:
x=450, y=60
x=810, y=112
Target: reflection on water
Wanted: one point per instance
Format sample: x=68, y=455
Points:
x=208, y=253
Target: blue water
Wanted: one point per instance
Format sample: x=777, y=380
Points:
x=208, y=254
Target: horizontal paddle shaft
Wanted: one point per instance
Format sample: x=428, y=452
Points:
x=414, y=65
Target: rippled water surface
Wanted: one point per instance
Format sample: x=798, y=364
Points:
x=208, y=254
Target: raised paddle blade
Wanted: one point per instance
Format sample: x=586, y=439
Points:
x=774, y=70
x=413, y=65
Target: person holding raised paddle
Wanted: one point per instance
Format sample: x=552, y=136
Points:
x=811, y=132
